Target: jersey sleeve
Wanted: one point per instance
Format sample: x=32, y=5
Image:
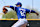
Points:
x=12, y=7
x=32, y=11
x=28, y=11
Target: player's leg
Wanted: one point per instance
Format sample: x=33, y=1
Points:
x=24, y=25
x=24, y=21
x=15, y=25
x=20, y=23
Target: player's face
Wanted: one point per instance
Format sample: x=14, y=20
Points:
x=18, y=5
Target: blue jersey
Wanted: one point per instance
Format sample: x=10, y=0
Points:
x=21, y=12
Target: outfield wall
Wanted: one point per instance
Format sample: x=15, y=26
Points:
x=9, y=23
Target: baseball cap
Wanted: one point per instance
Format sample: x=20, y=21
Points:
x=18, y=3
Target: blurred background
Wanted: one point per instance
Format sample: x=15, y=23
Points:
x=29, y=4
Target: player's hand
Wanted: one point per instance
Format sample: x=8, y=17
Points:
x=37, y=14
x=4, y=10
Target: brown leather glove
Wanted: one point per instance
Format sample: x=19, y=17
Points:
x=5, y=10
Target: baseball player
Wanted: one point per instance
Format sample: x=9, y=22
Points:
x=21, y=14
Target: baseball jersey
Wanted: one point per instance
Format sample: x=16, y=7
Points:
x=21, y=12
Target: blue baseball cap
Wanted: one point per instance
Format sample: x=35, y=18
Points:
x=19, y=3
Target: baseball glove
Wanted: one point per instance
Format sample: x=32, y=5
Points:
x=5, y=10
